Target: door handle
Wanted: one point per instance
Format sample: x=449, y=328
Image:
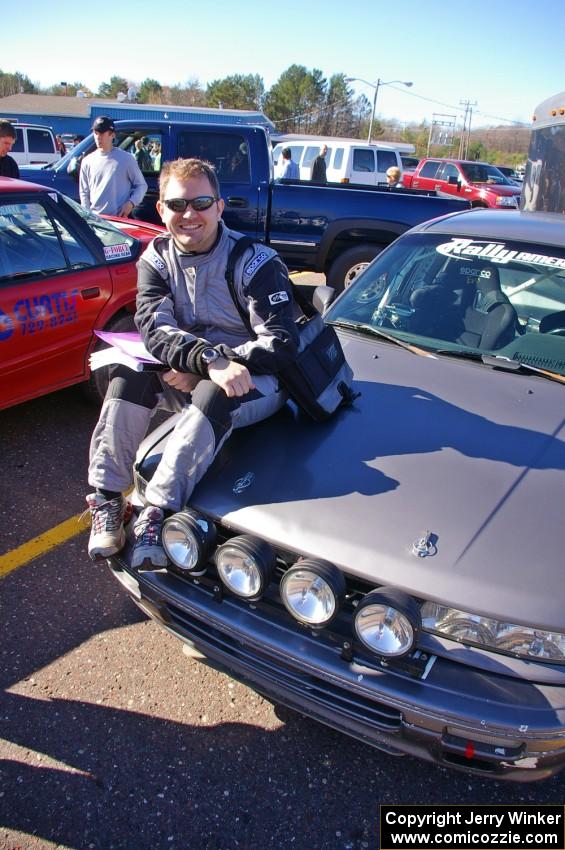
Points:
x=93, y=292
x=238, y=202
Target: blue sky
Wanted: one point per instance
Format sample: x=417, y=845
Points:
x=507, y=55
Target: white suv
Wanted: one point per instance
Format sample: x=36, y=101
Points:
x=346, y=161
x=34, y=145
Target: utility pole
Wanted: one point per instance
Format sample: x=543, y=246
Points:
x=466, y=131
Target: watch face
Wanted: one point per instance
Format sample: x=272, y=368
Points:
x=209, y=355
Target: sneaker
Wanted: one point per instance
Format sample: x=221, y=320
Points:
x=148, y=552
x=107, y=534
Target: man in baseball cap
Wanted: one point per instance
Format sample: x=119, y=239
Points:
x=103, y=123
x=110, y=179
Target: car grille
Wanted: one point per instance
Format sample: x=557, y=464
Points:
x=270, y=668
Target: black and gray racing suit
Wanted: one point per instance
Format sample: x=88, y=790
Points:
x=183, y=307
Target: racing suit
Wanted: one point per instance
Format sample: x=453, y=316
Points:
x=184, y=307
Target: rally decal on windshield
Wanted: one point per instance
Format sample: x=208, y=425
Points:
x=495, y=252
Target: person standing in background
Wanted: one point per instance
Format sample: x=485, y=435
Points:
x=290, y=169
x=8, y=165
x=110, y=179
x=394, y=177
x=60, y=145
x=319, y=167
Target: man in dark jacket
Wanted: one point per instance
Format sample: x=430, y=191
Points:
x=8, y=165
x=215, y=376
x=319, y=166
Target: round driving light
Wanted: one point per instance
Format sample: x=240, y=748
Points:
x=313, y=592
x=188, y=539
x=246, y=565
x=387, y=621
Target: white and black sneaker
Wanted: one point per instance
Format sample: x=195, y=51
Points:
x=148, y=552
x=107, y=533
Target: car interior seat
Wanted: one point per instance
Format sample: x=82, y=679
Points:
x=489, y=319
x=437, y=307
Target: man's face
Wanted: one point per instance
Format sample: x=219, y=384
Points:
x=104, y=141
x=191, y=230
x=6, y=143
x=324, y=150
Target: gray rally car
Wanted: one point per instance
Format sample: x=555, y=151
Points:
x=396, y=572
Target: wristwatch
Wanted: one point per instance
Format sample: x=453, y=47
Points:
x=209, y=355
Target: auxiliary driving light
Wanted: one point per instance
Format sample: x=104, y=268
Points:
x=188, y=539
x=246, y=565
x=313, y=592
x=387, y=621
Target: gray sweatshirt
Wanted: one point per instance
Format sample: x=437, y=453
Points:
x=108, y=180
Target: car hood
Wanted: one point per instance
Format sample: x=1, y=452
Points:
x=140, y=229
x=498, y=190
x=473, y=456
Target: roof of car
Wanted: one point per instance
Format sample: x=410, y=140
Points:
x=10, y=184
x=460, y=161
x=541, y=227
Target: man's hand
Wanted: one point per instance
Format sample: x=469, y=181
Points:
x=126, y=209
x=233, y=378
x=183, y=381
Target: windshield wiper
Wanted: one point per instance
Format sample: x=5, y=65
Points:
x=373, y=331
x=464, y=355
x=500, y=362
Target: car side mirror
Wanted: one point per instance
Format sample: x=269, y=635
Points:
x=322, y=298
x=73, y=168
x=453, y=181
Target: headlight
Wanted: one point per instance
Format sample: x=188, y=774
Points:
x=387, y=621
x=313, y=591
x=188, y=539
x=488, y=633
x=506, y=201
x=246, y=565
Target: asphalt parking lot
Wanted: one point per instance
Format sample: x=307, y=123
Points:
x=111, y=738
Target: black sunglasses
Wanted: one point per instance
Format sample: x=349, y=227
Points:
x=180, y=205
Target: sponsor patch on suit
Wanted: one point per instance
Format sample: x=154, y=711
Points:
x=278, y=297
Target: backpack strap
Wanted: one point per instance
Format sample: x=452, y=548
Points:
x=235, y=254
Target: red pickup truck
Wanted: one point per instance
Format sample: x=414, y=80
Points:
x=479, y=182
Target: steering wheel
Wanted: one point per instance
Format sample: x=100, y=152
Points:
x=395, y=316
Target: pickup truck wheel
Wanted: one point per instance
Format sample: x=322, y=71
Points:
x=348, y=265
x=94, y=389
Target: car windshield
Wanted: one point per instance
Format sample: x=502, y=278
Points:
x=117, y=244
x=480, y=172
x=465, y=296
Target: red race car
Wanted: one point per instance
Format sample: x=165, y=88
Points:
x=63, y=272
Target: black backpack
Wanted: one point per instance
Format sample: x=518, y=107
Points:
x=319, y=379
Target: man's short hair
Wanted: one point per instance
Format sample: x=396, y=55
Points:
x=184, y=169
x=287, y=153
x=7, y=129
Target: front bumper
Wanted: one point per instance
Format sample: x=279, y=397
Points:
x=450, y=714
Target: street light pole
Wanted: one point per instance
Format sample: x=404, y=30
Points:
x=374, y=110
x=376, y=86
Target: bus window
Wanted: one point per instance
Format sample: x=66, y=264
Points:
x=544, y=181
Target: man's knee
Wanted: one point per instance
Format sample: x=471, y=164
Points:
x=136, y=387
x=214, y=404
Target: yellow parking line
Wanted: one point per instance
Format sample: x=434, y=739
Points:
x=43, y=543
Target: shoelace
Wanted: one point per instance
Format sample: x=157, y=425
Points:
x=108, y=516
x=148, y=530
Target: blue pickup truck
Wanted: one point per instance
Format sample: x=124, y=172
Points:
x=331, y=228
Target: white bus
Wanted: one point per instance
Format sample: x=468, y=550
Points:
x=544, y=181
